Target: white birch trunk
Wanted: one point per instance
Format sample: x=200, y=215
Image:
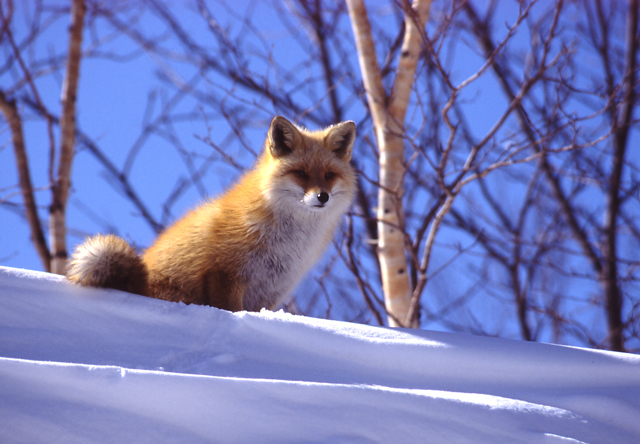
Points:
x=388, y=115
x=57, y=217
x=10, y=112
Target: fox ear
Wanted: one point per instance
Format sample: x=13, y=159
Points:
x=283, y=137
x=340, y=137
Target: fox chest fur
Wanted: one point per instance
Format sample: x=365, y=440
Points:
x=284, y=254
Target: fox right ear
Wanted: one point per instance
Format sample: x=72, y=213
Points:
x=283, y=137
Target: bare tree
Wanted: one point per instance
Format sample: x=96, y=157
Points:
x=612, y=98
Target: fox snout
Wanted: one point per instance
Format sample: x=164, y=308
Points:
x=316, y=199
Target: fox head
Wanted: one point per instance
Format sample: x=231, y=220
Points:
x=309, y=170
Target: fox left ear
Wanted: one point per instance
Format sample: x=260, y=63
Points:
x=340, y=139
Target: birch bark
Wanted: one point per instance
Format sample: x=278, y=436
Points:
x=60, y=188
x=388, y=113
x=9, y=110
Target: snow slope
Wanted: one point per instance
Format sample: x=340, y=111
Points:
x=99, y=366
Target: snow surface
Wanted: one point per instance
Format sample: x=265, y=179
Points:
x=100, y=366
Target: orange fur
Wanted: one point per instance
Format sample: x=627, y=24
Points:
x=249, y=248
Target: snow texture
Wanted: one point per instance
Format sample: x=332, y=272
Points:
x=100, y=366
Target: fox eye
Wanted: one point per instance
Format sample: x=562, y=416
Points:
x=330, y=175
x=301, y=174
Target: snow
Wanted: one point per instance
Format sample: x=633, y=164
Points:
x=100, y=366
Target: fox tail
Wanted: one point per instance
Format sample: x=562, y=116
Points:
x=108, y=261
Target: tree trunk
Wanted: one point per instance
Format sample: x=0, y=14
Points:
x=388, y=114
x=621, y=122
x=60, y=190
x=10, y=112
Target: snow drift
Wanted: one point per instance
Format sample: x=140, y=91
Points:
x=101, y=366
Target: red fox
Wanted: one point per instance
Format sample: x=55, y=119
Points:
x=248, y=249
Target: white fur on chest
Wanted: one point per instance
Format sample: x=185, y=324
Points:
x=288, y=248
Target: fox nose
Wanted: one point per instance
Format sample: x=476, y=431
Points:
x=323, y=197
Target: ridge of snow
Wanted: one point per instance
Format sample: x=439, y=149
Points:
x=90, y=365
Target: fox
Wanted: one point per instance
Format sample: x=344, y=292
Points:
x=249, y=248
